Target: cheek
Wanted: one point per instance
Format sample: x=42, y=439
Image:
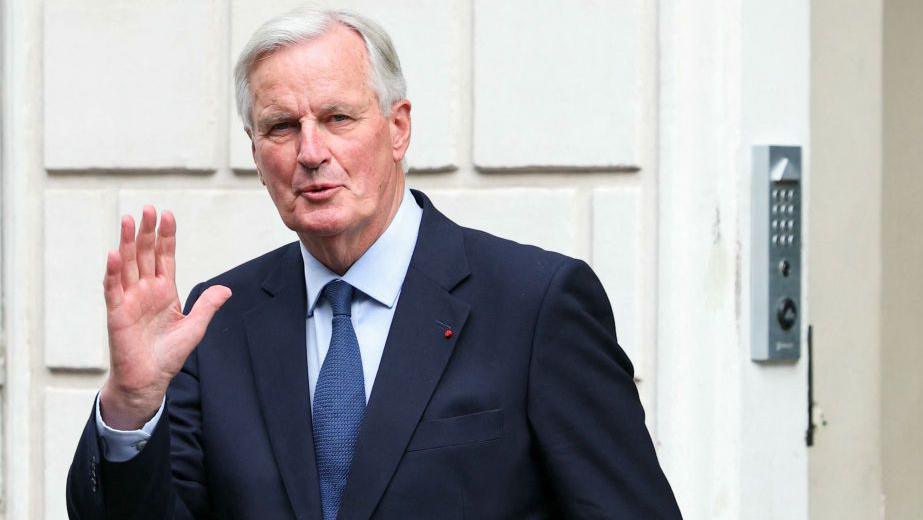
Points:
x=276, y=162
x=274, y=157
x=366, y=162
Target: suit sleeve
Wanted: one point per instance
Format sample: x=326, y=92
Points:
x=166, y=480
x=584, y=408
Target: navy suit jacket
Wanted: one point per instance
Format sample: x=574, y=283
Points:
x=528, y=409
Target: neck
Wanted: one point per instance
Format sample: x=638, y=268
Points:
x=339, y=252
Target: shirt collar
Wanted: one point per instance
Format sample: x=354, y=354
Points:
x=379, y=272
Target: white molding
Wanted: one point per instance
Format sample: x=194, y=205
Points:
x=699, y=413
x=22, y=178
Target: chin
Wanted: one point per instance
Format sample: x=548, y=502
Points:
x=322, y=223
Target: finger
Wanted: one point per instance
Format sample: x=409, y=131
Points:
x=165, y=248
x=204, y=310
x=145, y=242
x=128, y=252
x=112, y=280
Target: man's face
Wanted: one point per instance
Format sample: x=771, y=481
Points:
x=327, y=155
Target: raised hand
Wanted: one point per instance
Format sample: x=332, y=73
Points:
x=149, y=337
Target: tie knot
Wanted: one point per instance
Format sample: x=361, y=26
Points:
x=340, y=296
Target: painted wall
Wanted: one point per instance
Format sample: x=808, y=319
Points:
x=902, y=260
x=617, y=131
x=845, y=259
x=732, y=430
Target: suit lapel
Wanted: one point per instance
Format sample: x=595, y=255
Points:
x=416, y=353
x=276, y=337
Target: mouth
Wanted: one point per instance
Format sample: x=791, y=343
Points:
x=319, y=192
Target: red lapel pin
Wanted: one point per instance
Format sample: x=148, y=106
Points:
x=446, y=330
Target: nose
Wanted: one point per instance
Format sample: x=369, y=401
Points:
x=312, y=146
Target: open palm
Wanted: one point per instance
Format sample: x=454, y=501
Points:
x=149, y=336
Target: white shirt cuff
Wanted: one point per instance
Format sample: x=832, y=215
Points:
x=120, y=446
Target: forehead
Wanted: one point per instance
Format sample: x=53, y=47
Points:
x=334, y=63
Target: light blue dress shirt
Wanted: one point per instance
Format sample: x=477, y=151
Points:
x=377, y=277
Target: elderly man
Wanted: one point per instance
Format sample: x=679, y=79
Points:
x=389, y=364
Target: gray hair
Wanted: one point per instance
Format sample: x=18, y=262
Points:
x=308, y=23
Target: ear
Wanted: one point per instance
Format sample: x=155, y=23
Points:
x=399, y=122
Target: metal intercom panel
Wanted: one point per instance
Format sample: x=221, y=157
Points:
x=776, y=253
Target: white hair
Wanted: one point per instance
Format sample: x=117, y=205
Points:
x=308, y=23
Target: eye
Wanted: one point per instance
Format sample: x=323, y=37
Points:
x=282, y=127
x=339, y=118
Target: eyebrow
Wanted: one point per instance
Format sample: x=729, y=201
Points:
x=273, y=119
x=337, y=107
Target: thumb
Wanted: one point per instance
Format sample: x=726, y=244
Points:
x=205, y=308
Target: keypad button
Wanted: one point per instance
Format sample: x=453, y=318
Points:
x=787, y=314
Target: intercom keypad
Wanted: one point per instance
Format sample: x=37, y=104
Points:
x=776, y=253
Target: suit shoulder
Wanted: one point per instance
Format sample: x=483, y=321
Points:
x=511, y=260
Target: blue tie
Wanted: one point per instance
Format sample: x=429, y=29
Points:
x=339, y=401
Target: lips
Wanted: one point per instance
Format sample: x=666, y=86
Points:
x=319, y=192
